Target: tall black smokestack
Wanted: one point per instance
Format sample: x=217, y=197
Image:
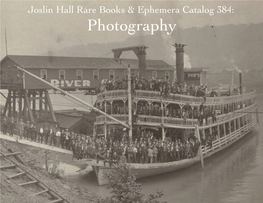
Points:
x=142, y=60
x=179, y=50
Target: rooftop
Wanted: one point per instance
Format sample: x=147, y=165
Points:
x=59, y=62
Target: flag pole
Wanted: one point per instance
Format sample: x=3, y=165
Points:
x=200, y=147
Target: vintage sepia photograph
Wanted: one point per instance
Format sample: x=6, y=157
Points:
x=131, y=101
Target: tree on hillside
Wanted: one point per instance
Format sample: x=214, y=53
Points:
x=124, y=187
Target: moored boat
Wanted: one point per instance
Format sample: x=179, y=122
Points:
x=210, y=120
x=186, y=123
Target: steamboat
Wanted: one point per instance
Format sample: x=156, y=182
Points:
x=170, y=117
x=191, y=121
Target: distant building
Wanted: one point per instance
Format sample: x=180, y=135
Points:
x=71, y=73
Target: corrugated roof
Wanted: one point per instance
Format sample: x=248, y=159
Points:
x=58, y=62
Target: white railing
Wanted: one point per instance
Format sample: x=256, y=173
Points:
x=176, y=98
x=177, y=121
x=226, y=139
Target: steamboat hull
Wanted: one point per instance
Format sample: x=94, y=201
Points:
x=147, y=170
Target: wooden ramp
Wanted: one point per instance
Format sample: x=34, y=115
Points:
x=20, y=175
x=15, y=138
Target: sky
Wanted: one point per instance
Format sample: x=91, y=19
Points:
x=41, y=33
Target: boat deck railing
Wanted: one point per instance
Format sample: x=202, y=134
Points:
x=157, y=120
x=225, y=140
x=177, y=98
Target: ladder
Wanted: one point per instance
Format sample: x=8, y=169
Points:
x=17, y=169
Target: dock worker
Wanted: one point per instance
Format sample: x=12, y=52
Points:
x=58, y=135
x=21, y=126
x=26, y=127
x=50, y=135
x=12, y=126
x=34, y=132
x=63, y=138
x=46, y=134
x=40, y=133
x=67, y=139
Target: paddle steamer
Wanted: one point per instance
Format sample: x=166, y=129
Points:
x=235, y=117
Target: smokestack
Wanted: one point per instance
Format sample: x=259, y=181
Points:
x=179, y=50
x=142, y=61
x=140, y=52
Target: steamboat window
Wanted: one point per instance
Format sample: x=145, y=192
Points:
x=43, y=74
x=62, y=75
x=167, y=75
x=111, y=74
x=95, y=74
x=79, y=74
x=154, y=74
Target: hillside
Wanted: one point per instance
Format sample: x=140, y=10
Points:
x=214, y=47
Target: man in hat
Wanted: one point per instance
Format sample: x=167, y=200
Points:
x=46, y=133
x=155, y=154
x=58, y=135
x=150, y=154
x=12, y=126
x=67, y=136
x=26, y=130
x=62, y=138
x=21, y=126
x=34, y=132
x=51, y=135
x=40, y=133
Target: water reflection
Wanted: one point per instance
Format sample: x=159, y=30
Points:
x=234, y=175
x=222, y=171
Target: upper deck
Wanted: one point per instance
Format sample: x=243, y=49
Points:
x=175, y=98
x=230, y=107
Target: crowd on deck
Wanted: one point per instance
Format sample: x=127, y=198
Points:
x=202, y=113
x=164, y=86
x=142, y=148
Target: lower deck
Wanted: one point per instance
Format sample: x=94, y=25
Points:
x=243, y=125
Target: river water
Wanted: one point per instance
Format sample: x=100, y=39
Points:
x=234, y=175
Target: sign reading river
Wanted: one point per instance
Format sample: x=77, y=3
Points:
x=70, y=83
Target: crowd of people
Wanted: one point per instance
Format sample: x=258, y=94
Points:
x=164, y=86
x=144, y=147
x=202, y=113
